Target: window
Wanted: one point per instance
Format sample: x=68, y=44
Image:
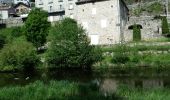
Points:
x=93, y=11
x=60, y=17
x=60, y=7
x=40, y=2
x=50, y=1
x=60, y=0
x=103, y=23
x=70, y=6
x=50, y=8
x=85, y=25
x=71, y=16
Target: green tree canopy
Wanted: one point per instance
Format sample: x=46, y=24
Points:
x=36, y=27
x=70, y=47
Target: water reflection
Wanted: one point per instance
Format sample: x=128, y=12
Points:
x=106, y=84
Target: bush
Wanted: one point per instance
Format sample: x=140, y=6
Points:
x=165, y=28
x=70, y=46
x=18, y=55
x=136, y=33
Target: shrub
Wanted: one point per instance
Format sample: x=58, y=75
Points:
x=18, y=55
x=70, y=46
x=165, y=28
x=136, y=33
x=36, y=27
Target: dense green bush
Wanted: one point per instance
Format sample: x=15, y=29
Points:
x=36, y=27
x=70, y=47
x=18, y=55
x=165, y=27
x=136, y=33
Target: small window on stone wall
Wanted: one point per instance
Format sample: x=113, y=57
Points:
x=93, y=11
x=103, y=23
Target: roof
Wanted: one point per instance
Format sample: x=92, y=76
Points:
x=11, y=10
x=21, y=3
x=79, y=2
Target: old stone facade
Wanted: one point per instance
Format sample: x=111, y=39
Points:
x=104, y=20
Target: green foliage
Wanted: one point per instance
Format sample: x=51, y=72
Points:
x=165, y=27
x=19, y=54
x=11, y=33
x=70, y=46
x=54, y=90
x=36, y=27
x=131, y=93
x=120, y=56
x=136, y=33
x=155, y=8
x=137, y=11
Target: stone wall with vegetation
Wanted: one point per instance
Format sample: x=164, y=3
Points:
x=151, y=27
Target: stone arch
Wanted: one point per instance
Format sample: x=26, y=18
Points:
x=138, y=25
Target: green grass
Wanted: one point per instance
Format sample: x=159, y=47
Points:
x=130, y=93
x=65, y=90
x=54, y=90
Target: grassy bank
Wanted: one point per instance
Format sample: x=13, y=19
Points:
x=129, y=93
x=64, y=90
x=135, y=55
x=54, y=90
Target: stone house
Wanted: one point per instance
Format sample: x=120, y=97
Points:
x=22, y=8
x=104, y=20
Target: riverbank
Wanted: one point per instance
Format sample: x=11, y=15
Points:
x=65, y=90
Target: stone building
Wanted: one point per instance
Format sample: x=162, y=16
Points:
x=22, y=8
x=104, y=20
x=57, y=9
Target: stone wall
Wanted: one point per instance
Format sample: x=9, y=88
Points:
x=151, y=28
x=12, y=22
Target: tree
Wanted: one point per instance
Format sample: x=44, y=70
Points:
x=18, y=55
x=70, y=47
x=165, y=28
x=136, y=33
x=36, y=27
